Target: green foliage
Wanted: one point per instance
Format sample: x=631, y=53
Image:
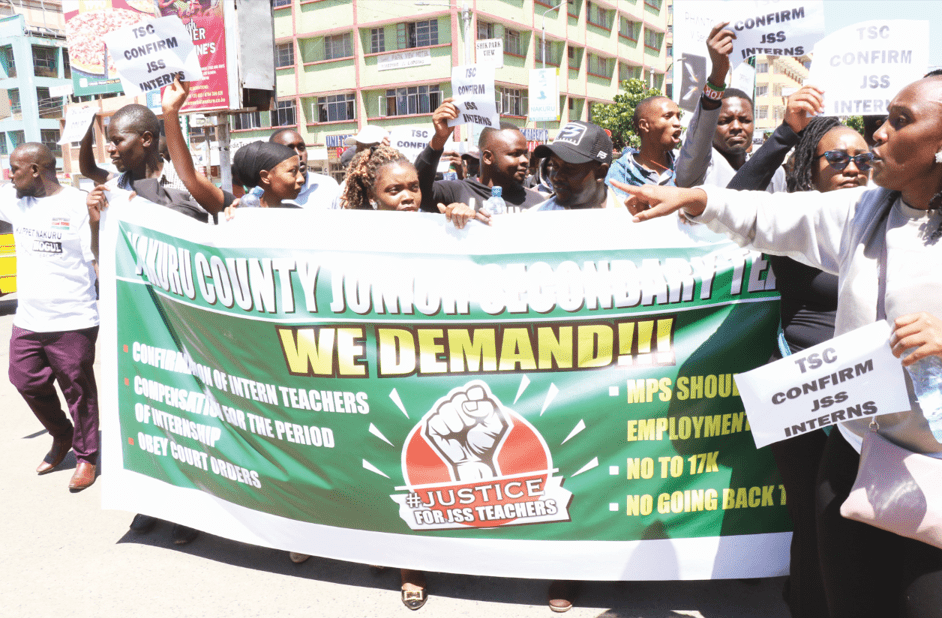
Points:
x=856, y=123
x=616, y=117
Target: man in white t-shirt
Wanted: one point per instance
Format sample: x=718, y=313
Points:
x=56, y=321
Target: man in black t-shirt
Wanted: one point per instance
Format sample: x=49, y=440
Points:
x=504, y=160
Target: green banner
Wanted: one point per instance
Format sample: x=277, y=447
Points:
x=560, y=384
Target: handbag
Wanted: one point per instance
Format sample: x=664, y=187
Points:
x=896, y=489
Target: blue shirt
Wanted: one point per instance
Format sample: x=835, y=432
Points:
x=627, y=170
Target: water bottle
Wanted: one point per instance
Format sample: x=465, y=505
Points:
x=926, y=375
x=252, y=198
x=495, y=204
x=451, y=174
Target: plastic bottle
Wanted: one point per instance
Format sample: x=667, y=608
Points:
x=926, y=375
x=252, y=199
x=495, y=204
x=452, y=173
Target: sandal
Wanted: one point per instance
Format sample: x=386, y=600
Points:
x=414, y=599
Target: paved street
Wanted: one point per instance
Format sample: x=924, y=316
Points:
x=63, y=555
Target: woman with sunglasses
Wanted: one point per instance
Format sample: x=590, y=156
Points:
x=828, y=156
x=884, y=245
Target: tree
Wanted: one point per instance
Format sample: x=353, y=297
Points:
x=616, y=117
x=856, y=123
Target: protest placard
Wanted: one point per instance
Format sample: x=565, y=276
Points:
x=77, y=119
x=776, y=28
x=544, y=96
x=410, y=141
x=473, y=88
x=150, y=55
x=863, y=66
x=490, y=51
x=849, y=377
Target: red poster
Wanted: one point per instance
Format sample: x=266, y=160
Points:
x=206, y=25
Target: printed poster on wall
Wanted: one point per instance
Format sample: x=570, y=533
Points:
x=325, y=383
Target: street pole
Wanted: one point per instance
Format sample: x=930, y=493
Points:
x=543, y=37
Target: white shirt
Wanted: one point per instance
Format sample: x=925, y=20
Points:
x=319, y=191
x=54, y=271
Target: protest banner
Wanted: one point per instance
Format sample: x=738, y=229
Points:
x=77, y=120
x=410, y=141
x=847, y=377
x=472, y=88
x=776, y=27
x=863, y=66
x=491, y=52
x=207, y=30
x=150, y=55
x=544, y=95
x=325, y=383
x=87, y=22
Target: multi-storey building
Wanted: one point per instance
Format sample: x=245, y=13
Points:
x=34, y=63
x=776, y=78
x=343, y=64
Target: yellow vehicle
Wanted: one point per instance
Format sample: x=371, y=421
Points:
x=7, y=262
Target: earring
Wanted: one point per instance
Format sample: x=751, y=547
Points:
x=373, y=204
x=938, y=157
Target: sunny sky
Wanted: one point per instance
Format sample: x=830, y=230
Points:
x=841, y=13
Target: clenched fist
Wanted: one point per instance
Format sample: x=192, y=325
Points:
x=466, y=430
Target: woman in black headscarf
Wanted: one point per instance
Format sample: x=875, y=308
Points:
x=273, y=168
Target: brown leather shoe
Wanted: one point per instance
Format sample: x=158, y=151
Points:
x=561, y=595
x=60, y=448
x=84, y=476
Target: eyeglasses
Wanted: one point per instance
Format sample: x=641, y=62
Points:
x=839, y=159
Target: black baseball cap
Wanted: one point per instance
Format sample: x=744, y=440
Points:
x=579, y=142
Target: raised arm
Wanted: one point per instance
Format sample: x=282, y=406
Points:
x=427, y=162
x=757, y=172
x=208, y=195
x=87, y=164
x=697, y=150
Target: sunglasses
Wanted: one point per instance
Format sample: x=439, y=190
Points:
x=838, y=159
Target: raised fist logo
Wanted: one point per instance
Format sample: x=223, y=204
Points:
x=466, y=431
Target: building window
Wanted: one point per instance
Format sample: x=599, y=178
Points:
x=44, y=61
x=779, y=112
x=417, y=34
x=761, y=91
x=280, y=3
x=652, y=39
x=627, y=71
x=512, y=43
x=3, y=144
x=49, y=106
x=575, y=55
x=485, y=30
x=628, y=28
x=412, y=100
x=284, y=55
x=336, y=108
x=762, y=67
x=597, y=15
x=66, y=64
x=285, y=115
x=246, y=121
x=338, y=46
x=598, y=65
x=6, y=59
x=14, y=95
x=763, y=112
x=778, y=90
x=511, y=102
x=550, y=56
x=17, y=138
x=377, y=40
x=49, y=137
x=654, y=4
x=572, y=7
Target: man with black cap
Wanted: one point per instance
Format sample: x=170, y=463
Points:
x=580, y=155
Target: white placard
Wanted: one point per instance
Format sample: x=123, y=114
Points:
x=77, y=119
x=744, y=78
x=410, y=141
x=61, y=91
x=849, y=377
x=543, y=95
x=149, y=55
x=473, y=88
x=774, y=27
x=403, y=60
x=490, y=51
x=863, y=66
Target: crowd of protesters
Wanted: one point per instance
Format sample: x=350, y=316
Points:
x=824, y=243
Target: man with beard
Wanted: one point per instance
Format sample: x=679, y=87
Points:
x=319, y=191
x=56, y=322
x=657, y=122
x=719, y=136
x=504, y=160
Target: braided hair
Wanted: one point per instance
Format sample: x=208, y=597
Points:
x=799, y=178
x=361, y=174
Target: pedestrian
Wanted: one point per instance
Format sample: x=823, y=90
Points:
x=656, y=120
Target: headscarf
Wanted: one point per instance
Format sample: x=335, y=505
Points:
x=251, y=159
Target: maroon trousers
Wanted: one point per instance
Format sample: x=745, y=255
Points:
x=39, y=359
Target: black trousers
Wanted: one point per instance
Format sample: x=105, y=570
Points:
x=869, y=572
